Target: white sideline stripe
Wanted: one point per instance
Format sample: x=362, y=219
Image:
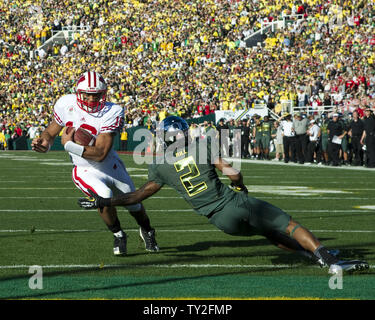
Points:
x=291, y=164
x=137, y=230
x=167, y=266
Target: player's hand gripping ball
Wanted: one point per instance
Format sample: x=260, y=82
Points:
x=82, y=137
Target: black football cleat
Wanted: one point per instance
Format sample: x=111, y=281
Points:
x=149, y=240
x=119, y=246
x=333, y=252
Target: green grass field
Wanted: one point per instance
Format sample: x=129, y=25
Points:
x=41, y=224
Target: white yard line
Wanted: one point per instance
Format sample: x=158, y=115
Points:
x=35, y=188
x=167, y=266
x=303, y=188
x=83, y=210
x=316, y=197
x=165, y=197
x=333, y=211
x=76, y=197
x=88, y=230
x=161, y=230
x=164, y=266
x=179, y=210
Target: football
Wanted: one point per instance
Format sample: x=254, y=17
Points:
x=84, y=138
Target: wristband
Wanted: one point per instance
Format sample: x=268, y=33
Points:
x=74, y=148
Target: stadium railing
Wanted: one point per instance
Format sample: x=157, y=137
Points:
x=313, y=110
x=64, y=36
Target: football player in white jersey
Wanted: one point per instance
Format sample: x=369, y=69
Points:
x=97, y=167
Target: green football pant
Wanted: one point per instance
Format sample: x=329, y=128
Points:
x=247, y=216
x=266, y=142
x=324, y=143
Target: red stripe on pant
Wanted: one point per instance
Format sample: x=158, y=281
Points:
x=81, y=182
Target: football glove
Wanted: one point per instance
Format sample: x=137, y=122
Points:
x=93, y=202
x=236, y=188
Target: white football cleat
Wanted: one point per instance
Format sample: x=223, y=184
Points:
x=348, y=266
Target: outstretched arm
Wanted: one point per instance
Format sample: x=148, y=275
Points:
x=147, y=190
x=125, y=199
x=233, y=174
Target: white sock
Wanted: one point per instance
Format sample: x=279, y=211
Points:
x=119, y=234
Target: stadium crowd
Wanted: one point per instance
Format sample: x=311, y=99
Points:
x=331, y=139
x=166, y=57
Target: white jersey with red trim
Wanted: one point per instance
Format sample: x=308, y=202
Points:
x=67, y=113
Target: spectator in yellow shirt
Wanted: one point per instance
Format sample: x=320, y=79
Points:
x=3, y=142
x=124, y=139
x=163, y=114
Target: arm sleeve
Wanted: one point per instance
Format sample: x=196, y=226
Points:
x=58, y=112
x=114, y=122
x=153, y=175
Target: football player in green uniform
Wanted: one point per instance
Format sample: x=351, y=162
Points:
x=266, y=136
x=257, y=134
x=324, y=139
x=193, y=174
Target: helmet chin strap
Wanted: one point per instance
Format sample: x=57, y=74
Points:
x=90, y=106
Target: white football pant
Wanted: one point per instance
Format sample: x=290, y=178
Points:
x=114, y=182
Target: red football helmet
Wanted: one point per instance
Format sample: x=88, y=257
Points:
x=91, y=82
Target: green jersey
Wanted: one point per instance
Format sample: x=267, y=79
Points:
x=194, y=177
x=266, y=128
x=258, y=130
x=324, y=128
